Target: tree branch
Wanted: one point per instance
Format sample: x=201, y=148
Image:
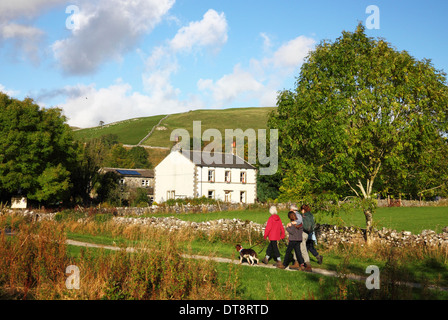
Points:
x=348, y=183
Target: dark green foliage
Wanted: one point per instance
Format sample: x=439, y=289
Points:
x=36, y=151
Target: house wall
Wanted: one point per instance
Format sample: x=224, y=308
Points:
x=220, y=186
x=174, y=173
x=134, y=182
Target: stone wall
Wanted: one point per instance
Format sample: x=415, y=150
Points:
x=333, y=235
x=329, y=235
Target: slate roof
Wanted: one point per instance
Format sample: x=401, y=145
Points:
x=218, y=160
x=142, y=173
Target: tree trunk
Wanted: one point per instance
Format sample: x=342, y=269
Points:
x=368, y=235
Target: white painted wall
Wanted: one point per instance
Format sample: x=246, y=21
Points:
x=235, y=186
x=175, y=172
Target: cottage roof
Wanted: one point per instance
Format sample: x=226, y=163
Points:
x=218, y=160
x=137, y=173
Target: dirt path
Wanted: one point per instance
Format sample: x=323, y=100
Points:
x=217, y=259
x=319, y=271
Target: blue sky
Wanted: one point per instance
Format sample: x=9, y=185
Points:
x=127, y=59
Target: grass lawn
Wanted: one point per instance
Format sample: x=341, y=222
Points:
x=262, y=283
x=414, y=219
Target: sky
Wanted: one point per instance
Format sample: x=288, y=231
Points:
x=111, y=60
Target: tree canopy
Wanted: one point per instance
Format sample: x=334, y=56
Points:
x=36, y=151
x=363, y=118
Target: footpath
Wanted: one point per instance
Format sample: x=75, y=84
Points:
x=319, y=271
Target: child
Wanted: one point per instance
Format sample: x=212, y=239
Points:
x=274, y=231
x=295, y=238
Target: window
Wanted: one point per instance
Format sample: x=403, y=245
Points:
x=227, y=177
x=211, y=194
x=243, y=196
x=145, y=183
x=243, y=177
x=170, y=194
x=227, y=196
x=211, y=175
x=122, y=181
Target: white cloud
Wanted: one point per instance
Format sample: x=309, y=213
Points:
x=211, y=31
x=26, y=40
x=86, y=106
x=238, y=84
x=107, y=30
x=9, y=92
x=263, y=78
x=291, y=54
x=267, y=43
x=12, y=9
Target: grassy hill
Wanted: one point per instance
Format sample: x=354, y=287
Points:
x=240, y=118
x=132, y=131
x=128, y=131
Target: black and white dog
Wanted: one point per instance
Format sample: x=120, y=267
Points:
x=248, y=254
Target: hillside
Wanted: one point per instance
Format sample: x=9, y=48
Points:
x=132, y=131
x=128, y=131
x=255, y=118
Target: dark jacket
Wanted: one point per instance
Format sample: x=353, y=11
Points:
x=308, y=222
x=295, y=234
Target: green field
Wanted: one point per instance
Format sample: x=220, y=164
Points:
x=128, y=131
x=414, y=219
x=133, y=130
x=240, y=118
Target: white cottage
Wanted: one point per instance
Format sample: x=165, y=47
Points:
x=225, y=177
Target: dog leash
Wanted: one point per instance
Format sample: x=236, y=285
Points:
x=256, y=244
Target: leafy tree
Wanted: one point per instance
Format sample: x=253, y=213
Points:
x=36, y=151
x=139, y=156
x=118, y=157
x=108, y=188
x=363, y=118
x=268, y=186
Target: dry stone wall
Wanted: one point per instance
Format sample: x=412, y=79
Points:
x=329, y=235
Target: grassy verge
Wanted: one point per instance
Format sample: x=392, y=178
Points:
x=421, y=265
x=35, y=269
x=414, y=219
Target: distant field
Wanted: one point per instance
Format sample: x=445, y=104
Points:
x=133, y=130
x=414, y=219
x=128, y=131
x=239, y=118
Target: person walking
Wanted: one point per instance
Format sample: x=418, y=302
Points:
x=295, y=232
x=274, y=231
x=303, y=250
x=308, y=228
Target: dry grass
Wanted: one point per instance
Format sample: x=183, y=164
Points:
x=33, y=264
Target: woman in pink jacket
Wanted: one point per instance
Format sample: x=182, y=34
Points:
x=274, y=231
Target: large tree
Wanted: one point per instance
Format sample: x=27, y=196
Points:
x=36, y=151
x=363, y=118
